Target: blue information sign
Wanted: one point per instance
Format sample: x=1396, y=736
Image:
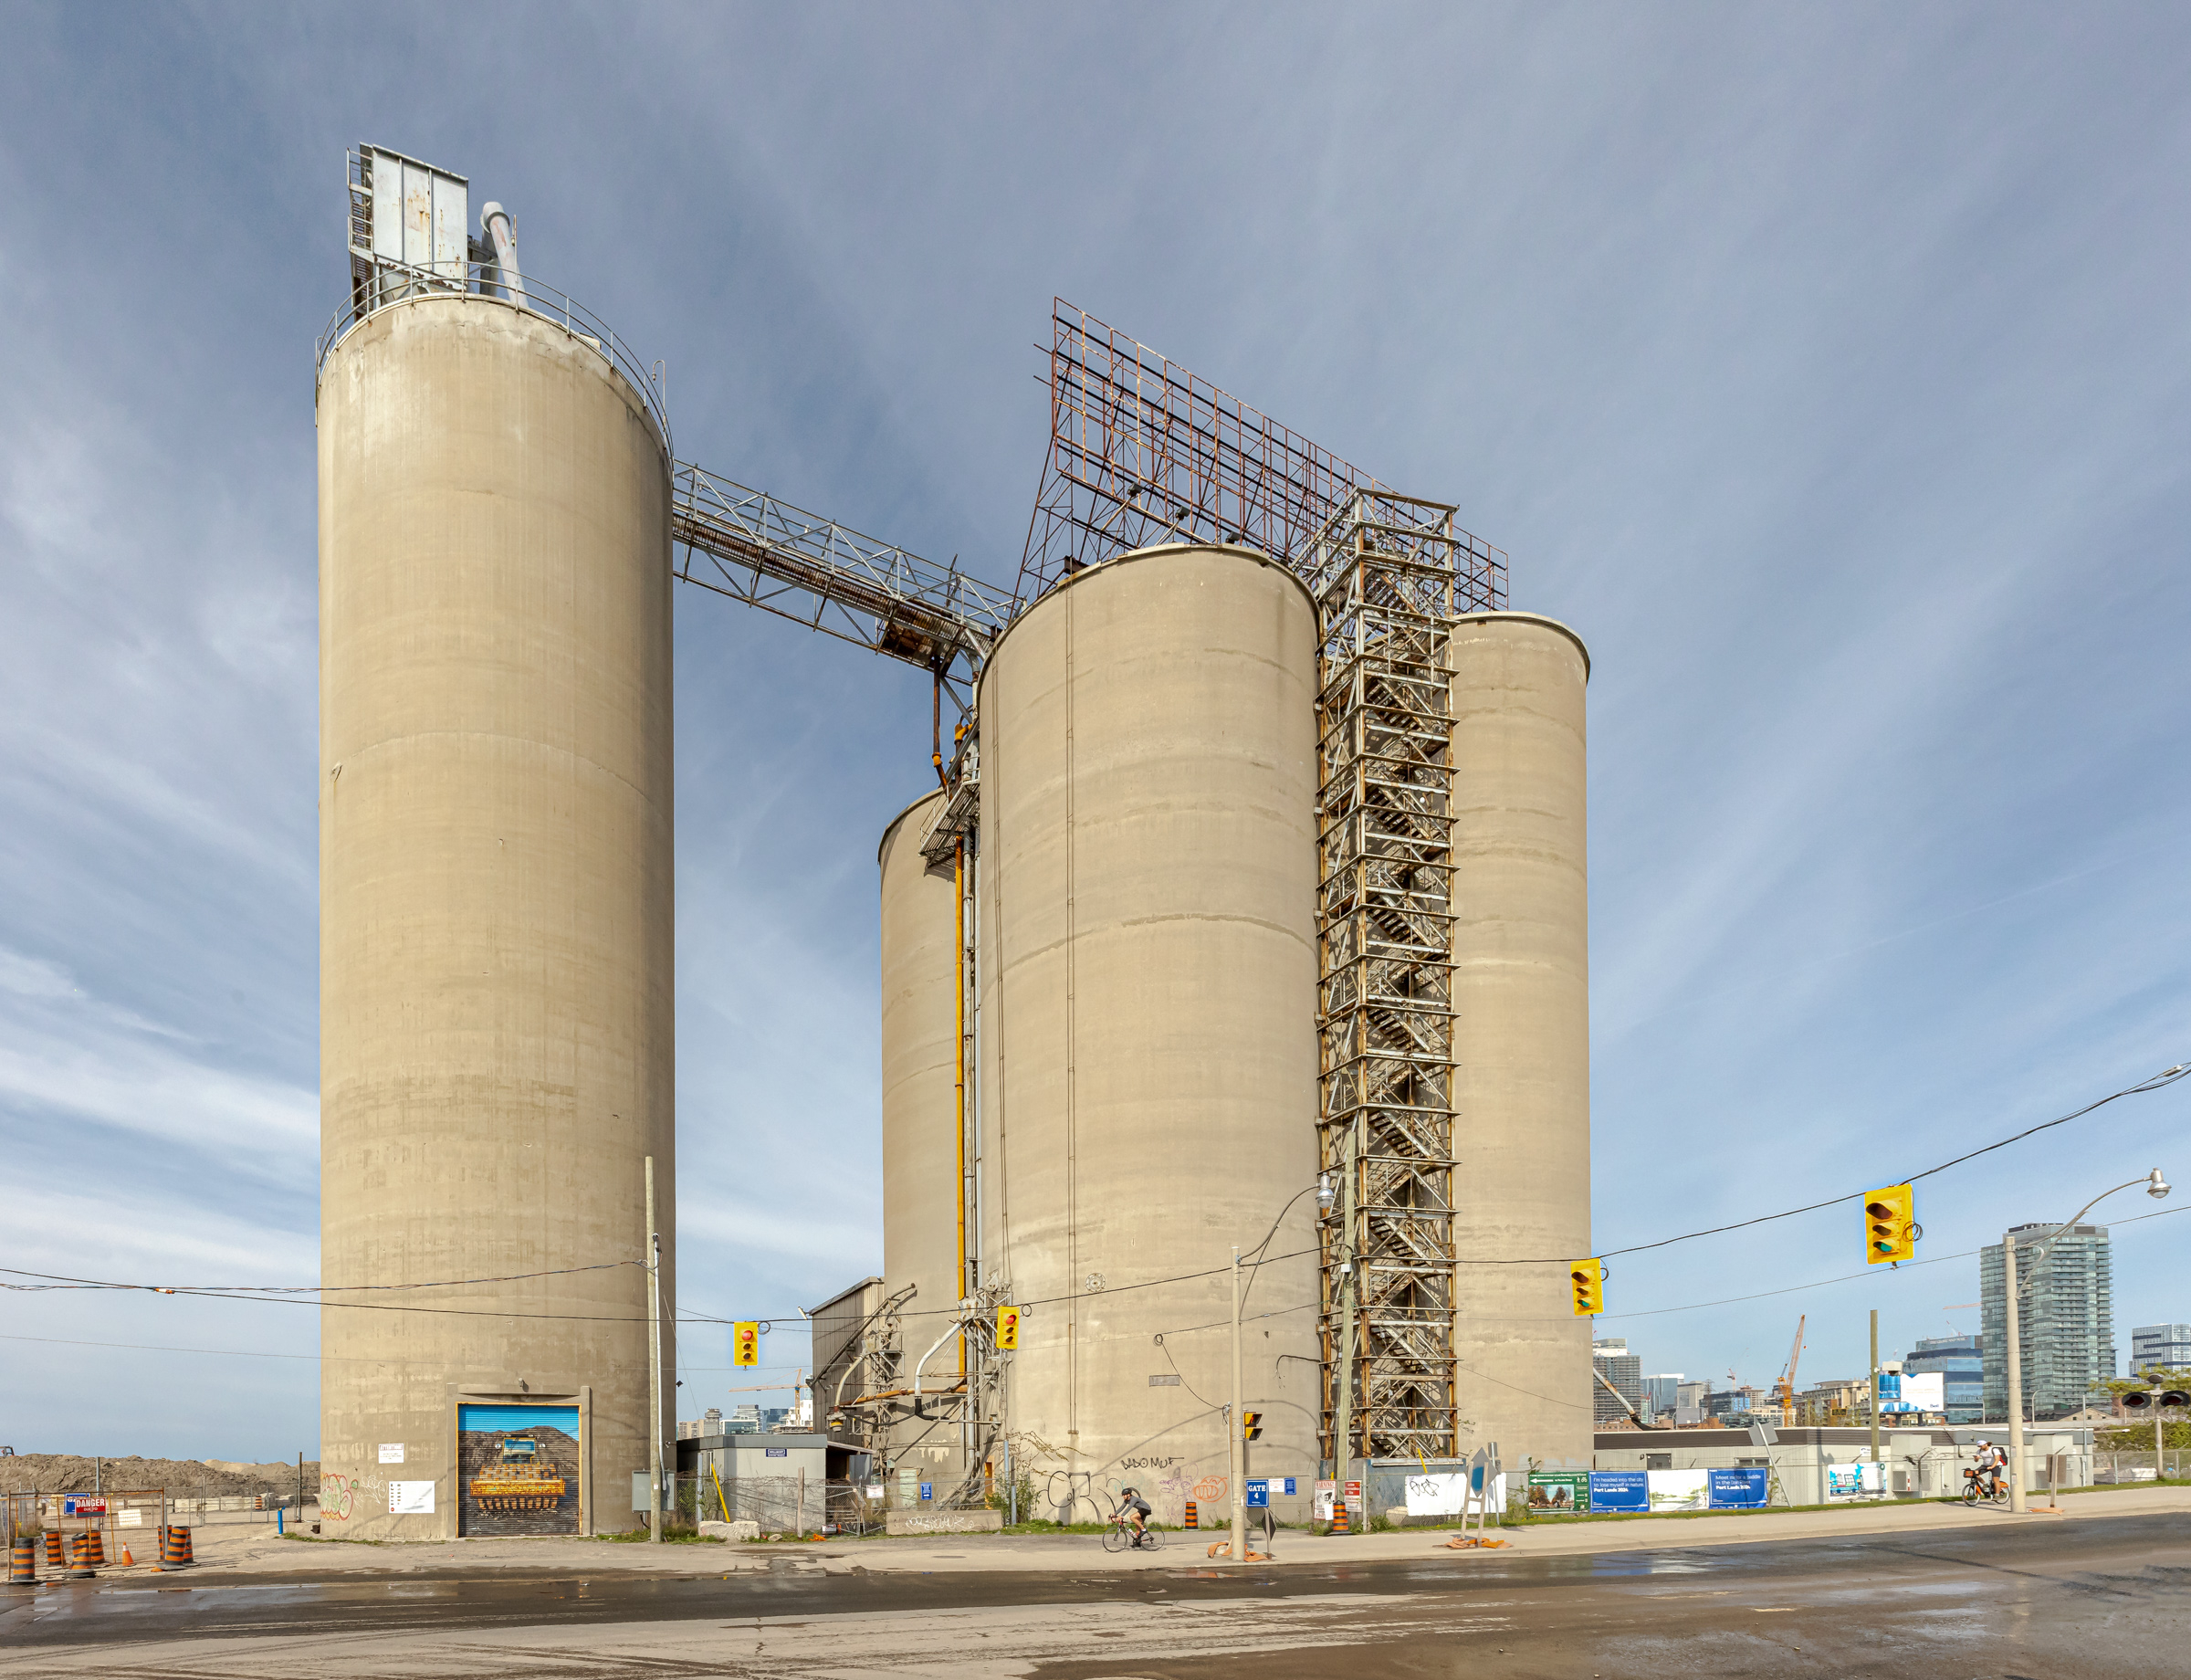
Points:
x=1619, y=1490
x=1740, y=1489
x=927, y=1490
x=1259, y=1494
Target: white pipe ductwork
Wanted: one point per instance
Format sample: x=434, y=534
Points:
x=964, y=1322
x=494, y=222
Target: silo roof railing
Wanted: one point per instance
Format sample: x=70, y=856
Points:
x=390, y=283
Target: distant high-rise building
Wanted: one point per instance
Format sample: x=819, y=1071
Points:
x=1961, y=1361
x=2167, y=1345
x=1624, y=1370
x=2065, y=1322
x=1662, y=1393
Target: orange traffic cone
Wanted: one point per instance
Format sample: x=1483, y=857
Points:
x=128, y=1562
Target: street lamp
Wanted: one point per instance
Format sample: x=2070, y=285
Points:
x=2156, y=1187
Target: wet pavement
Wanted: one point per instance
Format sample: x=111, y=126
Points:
x=2068, y=1598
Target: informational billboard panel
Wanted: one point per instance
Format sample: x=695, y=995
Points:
x=1558, y=1493
x=1619, y=1490
x=1741, y=1489
x=517, y=1469
x=1854, y=1482
x=1680, y=1490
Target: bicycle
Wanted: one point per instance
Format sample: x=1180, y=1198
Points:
x=1976, y=1487
x=1118, y=1535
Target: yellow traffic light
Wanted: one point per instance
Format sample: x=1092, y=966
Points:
x=1008, y=1328
x=745, y=1343
x=1890, y=1227
x=1589, y=1278
x=1251, y=1425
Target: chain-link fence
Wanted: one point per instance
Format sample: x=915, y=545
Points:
x=2147, y=1466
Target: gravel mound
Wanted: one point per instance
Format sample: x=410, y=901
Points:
x=66, y=1473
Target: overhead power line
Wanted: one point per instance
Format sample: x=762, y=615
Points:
x=293, y=1294
x=2159, y=1081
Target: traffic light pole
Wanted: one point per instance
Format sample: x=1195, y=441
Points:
x=1873, y=1408
x=1239, y=1451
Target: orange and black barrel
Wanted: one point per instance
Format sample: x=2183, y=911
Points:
x=189, y=1553
x=80, y=1558
x=174, y=1547
x=98, y=1545
x=22, y=1563
x=55, y=1559
x=1192, y=1515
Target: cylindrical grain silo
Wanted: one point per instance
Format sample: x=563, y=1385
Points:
x=1522, y=1033
x=496, y=906
x=1148, y=1039
x=921, y=1197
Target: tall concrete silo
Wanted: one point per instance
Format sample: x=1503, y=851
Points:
x=496, y=899
x=1521, y=1032
x=920, y=1114
x=1147, y=1040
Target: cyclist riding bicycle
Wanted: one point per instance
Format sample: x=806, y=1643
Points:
x=1992, y=1463
x=1134, y=1510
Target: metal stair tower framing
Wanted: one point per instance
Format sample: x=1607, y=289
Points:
x=1390, y=574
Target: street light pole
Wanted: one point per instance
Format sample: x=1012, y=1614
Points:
x=2015, y=1377
x=2156, y=1186
x=653, y=1360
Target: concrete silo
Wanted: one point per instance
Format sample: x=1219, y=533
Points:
x=920, y=1117
x=496, y=911
x=1148, y=972
x=1521, y=1032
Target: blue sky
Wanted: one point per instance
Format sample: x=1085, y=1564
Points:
x=1825, y=367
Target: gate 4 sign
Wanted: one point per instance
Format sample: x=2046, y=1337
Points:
x=745, y=1343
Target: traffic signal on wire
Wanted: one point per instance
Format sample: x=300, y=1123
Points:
x=745, y=1343
x=1589, y=1278
x=1008, y=1328
x=1890, y=1227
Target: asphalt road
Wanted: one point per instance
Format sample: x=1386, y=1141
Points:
x=2039, y=1600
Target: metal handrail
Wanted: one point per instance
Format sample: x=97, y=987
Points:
x=393, y=283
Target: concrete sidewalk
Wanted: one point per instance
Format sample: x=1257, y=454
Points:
x=233, y=1552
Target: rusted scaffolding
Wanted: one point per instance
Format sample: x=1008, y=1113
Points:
x=1390, y=574
x=1143, y=451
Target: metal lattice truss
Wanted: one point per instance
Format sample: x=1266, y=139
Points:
x=747, y=544
x=1143, y=451
x=1390, y=574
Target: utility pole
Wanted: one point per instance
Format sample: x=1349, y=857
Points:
x=653, y=1359
x=1874, y=1407
x=1237, y=1456
x=2015, y=1353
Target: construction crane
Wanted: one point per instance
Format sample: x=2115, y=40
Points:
x=1787, y=1375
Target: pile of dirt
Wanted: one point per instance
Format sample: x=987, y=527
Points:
x=66, y=1473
